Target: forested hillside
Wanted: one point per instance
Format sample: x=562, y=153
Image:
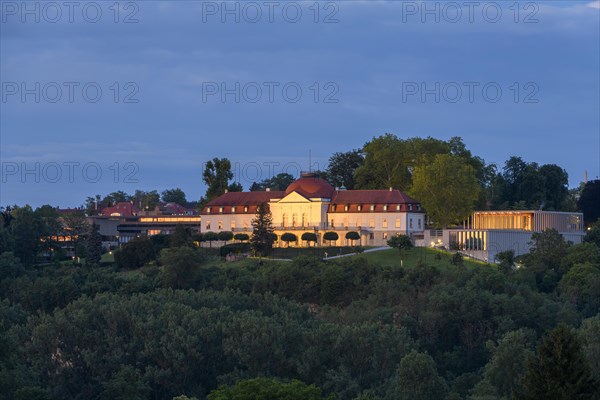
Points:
x=362, y=327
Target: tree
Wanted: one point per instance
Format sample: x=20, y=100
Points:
x=507, y=362
x=216, y=176
x=352, y=235
x=385, y=164
x=309, y=237
x=589, y=200
x=93, y=246
x=447, y=188
x=26, y=229
x=331, y=237
x=267, y=389
x=559, y=369
x=555, y=181
x=417, y=378
x=289, y=237
x=115, y=197
x=593, y=234
x=400, y=242
x=181, y=236
x=590, y=344
x=242, y=237
x=174, y=196
x=342, y=166
x=225, y=236
x=262, y=230
x=180, y=264
x=278, y=182
x=210, y=237
x=135, y=253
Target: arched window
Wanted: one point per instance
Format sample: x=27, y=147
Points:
x=294, y=219
x=304, y=220
x=284, y=220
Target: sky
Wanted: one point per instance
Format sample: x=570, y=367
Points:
x=102, y=96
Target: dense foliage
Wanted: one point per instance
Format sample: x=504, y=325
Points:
x=361, y=327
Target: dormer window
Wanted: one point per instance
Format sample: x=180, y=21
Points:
x=397, y=207
x=385, y=207
x=233, y=210
x=345, y=208
x=333, y=208
x=246, y=209
x=410, y=207
x=220, y=209
x=359, y=207
x=208, y=210
x=372, y=207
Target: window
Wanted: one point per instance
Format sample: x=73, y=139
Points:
x=397, y=222
x=233, y=210
x=410, y=224
x=419, y=223
x=220, y=209
x=359, y=207
x=333, y=208
x=371, y=223
x=332, y=223
x=346, y=208
x=294, y=219
x=232, y=225
x=385, y=207
x=410, y=207
x=397, y=207
x=208, y=225
x=208, y=210
x=385, y=235
x=220, y=225
x=284, y=220
x=371, y=236
x=384, y=224
x=372, y=207
x=246, y=209
x=303, y=220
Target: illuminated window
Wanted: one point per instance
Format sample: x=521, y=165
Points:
x=371, y=223
x=232, y=224
x=397, y=222
x=385, y=207
x=246, y=209
x=346, y=208
x=384, y=223
x=208, y=210
x=397, y=207
x=220, y=209
x=359, y=207
x=372, y=207
x=385, y=235
x=332, y=223
x=333, y=208
x=207, y=225
x=220, y=225
x=233, y=210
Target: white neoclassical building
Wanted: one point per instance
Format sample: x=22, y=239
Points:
x=311, y=204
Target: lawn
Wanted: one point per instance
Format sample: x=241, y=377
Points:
x=413, y=256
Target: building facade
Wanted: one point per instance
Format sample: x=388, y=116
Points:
x=488, y=233
x=311, y=204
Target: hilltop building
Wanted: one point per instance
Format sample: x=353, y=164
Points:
x=311, y=204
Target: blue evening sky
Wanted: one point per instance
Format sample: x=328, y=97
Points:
x=185, y=81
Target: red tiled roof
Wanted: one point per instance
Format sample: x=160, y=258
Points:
x=311, y=186
x=123, y=209
x=244, y=198
x=372, y=197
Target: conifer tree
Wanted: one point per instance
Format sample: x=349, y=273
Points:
x=262, y=231
x=93, y=246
